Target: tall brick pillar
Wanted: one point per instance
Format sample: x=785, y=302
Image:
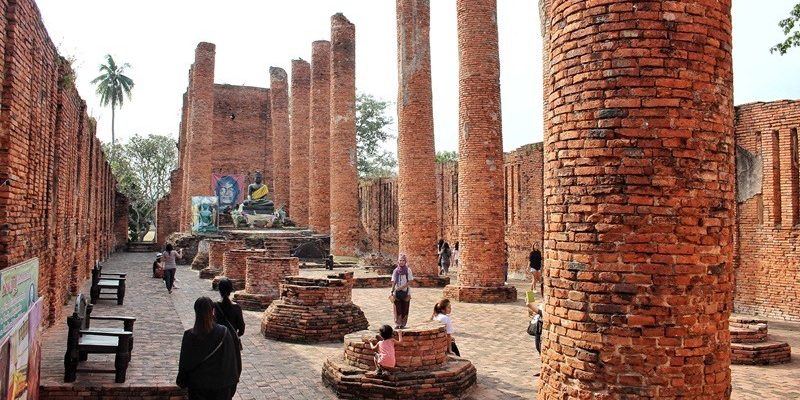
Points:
x=201, y=119
x=344, y=177
x=639, y=188
x=319, y=198
x=298, y=157
x=279, y=106
x=415, y=148
x=480, y=161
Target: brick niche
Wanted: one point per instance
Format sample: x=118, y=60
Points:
x=423, y=371
x=263, y=278
x=314, y=310
x=639, y=200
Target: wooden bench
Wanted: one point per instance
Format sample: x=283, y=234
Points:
x=112, y=285
x=83, y=340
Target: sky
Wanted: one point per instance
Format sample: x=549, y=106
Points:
x=158, y=39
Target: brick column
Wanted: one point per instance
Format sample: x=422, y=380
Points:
x=344, y=178
x=298, y=157
x=319, y=209
x=201, y=120
x=480, y=164
x=639, y=188
x=279, y=106
x=415, y=148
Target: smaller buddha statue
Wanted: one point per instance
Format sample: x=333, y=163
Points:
x=257, y=201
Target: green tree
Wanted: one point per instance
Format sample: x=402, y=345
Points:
x=142, y=168
x=113, y=86
x=371, y=123
x=788, y=25
x=446, y=156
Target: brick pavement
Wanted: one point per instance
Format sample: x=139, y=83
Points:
x=491, y=336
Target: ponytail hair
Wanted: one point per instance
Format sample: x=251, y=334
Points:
x=439, y=307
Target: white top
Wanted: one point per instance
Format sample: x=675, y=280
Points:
x=448, y=323
x=455, y=254
x=169, y=259
x=400, y=279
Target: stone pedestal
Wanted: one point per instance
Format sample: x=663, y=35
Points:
x=234, y=266
x=750, y=344
x=424, y=370
x=216, y=249
x=262, y=281
x=479, y=294
x=314, y=310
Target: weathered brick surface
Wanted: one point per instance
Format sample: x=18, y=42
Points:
x=319, y=207
x=200, y=146
x=279, y=106
x=415, y=148
x=314, y=310
x=423, y=370
x=524, y=216
x=768, y=237
x=343, y=176
x=377, y=200
x=56, y=192
x=639, y=194
x=234, y=266
x=262, y=281
x=480, y=178
x=216, y=252
x=750, y=344
x=298, y=141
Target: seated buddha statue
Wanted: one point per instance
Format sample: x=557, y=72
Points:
x=257, y=197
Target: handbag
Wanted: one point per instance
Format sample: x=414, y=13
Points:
x=402, y=294
x=183, y=376
x=535, y=327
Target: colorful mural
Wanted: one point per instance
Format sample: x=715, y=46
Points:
x=229, y=189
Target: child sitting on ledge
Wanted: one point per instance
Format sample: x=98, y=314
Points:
x=384, y=357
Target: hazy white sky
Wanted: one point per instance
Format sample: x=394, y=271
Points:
x=158, y=39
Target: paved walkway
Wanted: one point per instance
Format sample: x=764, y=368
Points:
x=491, y=336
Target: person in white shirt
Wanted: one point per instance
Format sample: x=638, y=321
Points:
x=441, y=313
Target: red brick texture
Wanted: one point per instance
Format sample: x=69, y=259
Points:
x=300, y=107
x=279, y=103
x=377, y=199
x=216, y=253
x=319, y=207
x=415, y=148
x=199, y=146
x=480, y=145
x=57, y=195
x=639, y=194
x=343, y=175
x=524, y=216
x=262, y=281
x=767, y=270
x=750, y=344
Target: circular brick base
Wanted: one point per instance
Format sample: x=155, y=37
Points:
x=449, y=381
x=253, y=302
x=311, y=324
x=765, y=353
x=238, y=284
x=209, y=273
x=476, y=294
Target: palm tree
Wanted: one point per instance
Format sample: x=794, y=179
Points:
x=112, y=84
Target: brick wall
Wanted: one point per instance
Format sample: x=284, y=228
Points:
x=523, y=207
x=57, y=197
x=767, y=266
x=241, y=140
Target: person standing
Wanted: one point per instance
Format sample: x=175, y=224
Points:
x=444, y=259
x=535, y=262
x=456, y=251
x=229, y=314
x=439, y=247
x=170, y=256
x=401, y=291
x=207, y=364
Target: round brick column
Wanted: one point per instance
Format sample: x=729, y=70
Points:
x=480, y=160
x=234, y=266
x=298, y=158
x=415, y=148
x=216, y=250
x=263, y=279
x=199, y=150
x=319, y=207
x=344, y=177
x=639, y=192
x=279, y=107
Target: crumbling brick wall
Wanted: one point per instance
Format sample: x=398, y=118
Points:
x=56, y=189
x=768, y=237
x=523, y=208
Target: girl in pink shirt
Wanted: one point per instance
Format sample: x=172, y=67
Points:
x=384, y=358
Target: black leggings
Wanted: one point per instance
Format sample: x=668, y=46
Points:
x=169, y=277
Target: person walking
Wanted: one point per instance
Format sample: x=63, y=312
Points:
x=444, y=259
x=229, y=315
x=207, y=364
x=441, y=313
x=401, y=291
x=170, y=256
x=439, y=247
x=535, y=262
x=456, y=252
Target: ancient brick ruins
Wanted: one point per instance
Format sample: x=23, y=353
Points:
x=57, y=195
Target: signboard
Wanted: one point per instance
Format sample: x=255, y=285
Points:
x=20, y=357
x=229, y=189
x=19, y=286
